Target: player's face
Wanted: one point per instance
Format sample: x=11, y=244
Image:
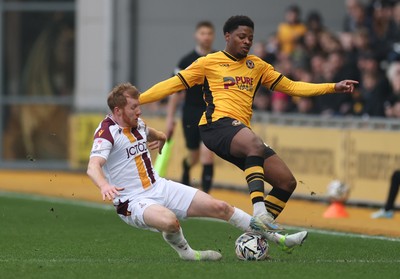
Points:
x=205, y=37
x=130, y=113
x=239, y=42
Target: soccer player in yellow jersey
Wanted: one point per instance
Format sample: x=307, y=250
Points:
x=230, y=79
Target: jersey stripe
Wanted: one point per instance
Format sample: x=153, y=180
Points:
x=143, y=163
x=136, y=133
x=208, y=97
x=147, y=163
x=276, y=82
x=128, y=134
x=183, y=81
x=142, y=172
x=230, y=56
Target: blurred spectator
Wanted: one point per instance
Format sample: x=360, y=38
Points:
x=392, y=110
x=311, y=43
x=396, y=22
x=280, y=102
x=362, y=40
x=290, y=30
x=314, y=22
x=392, y=104
x=329, y=42
x=335, y=69
x=317, y=63
x=394, y=52
x=262, y=99
x=383, y=28
x=260, y=49
x=356, y=16
x=393, y=75
x=306, y=105
x=265, y=51
x=374, y=87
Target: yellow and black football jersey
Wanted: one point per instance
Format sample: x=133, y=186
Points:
x=229, y=85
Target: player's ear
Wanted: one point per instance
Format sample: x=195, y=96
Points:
x=227, y=36
x=117, y=111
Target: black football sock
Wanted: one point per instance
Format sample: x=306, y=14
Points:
x=186, y=172
x=276, y=201
x=254, y=172
x=207, y=176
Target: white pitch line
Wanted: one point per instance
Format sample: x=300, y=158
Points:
x=110, y=207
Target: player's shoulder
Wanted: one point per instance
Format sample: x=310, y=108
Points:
x=257, y=62
x=213, y=57
x=255, y=59
x=107, y=129
x=215, y=54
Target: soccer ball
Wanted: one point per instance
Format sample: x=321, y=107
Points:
x=337, y=191
x=251, y=247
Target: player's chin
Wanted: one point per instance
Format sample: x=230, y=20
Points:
x=134, y=123
x=244, y=52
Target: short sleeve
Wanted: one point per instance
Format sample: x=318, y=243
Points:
x=101, y=148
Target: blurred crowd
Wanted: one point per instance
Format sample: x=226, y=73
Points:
x=367, y=49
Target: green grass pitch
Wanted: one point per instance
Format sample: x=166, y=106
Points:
x=55, y=239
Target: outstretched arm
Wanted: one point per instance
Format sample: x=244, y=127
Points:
x=95, y=172
x=161, y=90
x=305, y=89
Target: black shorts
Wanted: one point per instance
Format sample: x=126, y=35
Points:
x=190, y=123
x=218, y=135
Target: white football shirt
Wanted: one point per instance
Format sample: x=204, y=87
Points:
x=128, y=163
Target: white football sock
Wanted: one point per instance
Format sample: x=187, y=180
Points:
x=259, y=208
x=273, y=236
x=240, y=219
x=179, y=244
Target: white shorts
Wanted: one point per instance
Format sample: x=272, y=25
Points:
x=172, y=195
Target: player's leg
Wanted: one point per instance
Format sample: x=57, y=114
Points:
x=188, y=162
x=387, y=211
x=207, y=160
x=161, y=218
x=191, y=134
x=283, y=184
x=393, y=191
x=246, y=144
x=203, y=205
x=236, y=143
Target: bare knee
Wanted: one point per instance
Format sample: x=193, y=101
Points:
x=286, y=183
x=290, y=184
x=257, y=147
x=222, y=210
x=169, y=223
x=163, y=220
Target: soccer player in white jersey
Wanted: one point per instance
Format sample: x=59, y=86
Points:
x=120, y=166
